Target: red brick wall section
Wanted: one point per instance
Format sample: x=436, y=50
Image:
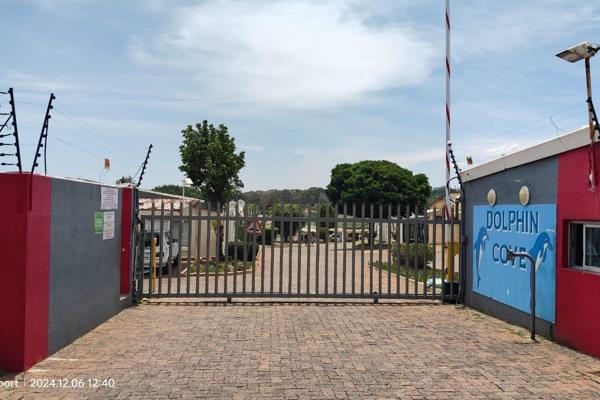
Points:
x=577, y=292
x=126, y=227
x=24, y=269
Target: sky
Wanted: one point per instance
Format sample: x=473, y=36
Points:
x=302, y=85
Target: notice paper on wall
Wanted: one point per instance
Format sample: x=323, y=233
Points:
x=98, y=224
x=109, y=198
x=108, y=228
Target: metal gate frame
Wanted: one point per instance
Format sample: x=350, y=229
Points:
x=413, y=229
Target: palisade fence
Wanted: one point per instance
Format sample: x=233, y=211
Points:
x=289, y=250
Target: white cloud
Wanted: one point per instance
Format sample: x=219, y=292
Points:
x=504, y=27
x=302, y=54
x=35, y=83
x=314, y=166
x=251, y=147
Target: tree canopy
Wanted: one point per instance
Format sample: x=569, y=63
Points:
x=123, y=180
x=210, y=160
x=378, y=182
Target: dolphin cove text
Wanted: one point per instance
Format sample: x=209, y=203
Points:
x=513, y=220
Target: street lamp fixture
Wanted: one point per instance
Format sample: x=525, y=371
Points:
x=585, y=51
x=579, y=52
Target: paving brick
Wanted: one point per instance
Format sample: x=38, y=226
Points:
x=408, y=350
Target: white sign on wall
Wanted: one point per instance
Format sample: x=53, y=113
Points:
x=108, y=227
x=109, y=198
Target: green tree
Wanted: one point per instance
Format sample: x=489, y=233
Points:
x=210, y=160
x=377, y=182
x=177, y=190
x=309, y=197
x=123, y=180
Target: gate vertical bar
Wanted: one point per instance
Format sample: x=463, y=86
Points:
x=425, y=249
x=272, y=260
x=389, y=251
x=225, y=250
x=217, y=246
x=161, y=247
x=353, y=250
x=245, y=251
x=335, y=248
x=150, y=283
x=308, y=245
x=180, y=247
x=380, y=249
x=299, y=267
x=189, y=253
x=398, y=241
x=362, y=248
x=170, y=258
x=281, y=235
x=236, y=224
x=207, y=263
x=371, y=240
x=416, y=250
x=198, y=244
x=327, y=224
x=344, y=247
x=290, y=252
x=407, y=250
x=434, y=233
x=263, y=250
x=254, y=246
x=318, y=248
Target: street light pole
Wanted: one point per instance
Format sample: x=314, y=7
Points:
x=585, y=51
x=588, y=84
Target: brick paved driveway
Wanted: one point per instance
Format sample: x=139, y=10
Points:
x=324, y=351
x=289, y=271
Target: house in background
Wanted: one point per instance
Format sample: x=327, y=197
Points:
x=193, y=237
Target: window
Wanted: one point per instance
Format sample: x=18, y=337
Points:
x=584, y=246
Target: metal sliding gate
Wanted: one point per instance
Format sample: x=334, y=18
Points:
x=196, y=249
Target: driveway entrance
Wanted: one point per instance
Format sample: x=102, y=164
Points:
x=187, y=349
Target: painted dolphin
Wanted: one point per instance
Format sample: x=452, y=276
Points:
x=479, y=247
x=540, y=248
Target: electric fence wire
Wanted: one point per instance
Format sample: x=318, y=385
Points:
x=66, y=112
x=527, y=129
x=114, y=150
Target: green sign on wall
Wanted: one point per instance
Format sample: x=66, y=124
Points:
x=98, y=223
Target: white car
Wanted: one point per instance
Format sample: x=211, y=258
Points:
x=174, y=249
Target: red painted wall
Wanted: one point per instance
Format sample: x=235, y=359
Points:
x=577, y=292
x=24, y=268
x=126, y=220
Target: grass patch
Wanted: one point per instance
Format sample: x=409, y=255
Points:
x=422, y=273
x=214, y=267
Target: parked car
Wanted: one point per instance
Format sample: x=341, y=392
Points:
x=166, y=240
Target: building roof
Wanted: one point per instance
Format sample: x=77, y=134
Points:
x=146, y=204
x=560, y=144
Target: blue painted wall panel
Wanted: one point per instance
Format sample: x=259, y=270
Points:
x=529, y=228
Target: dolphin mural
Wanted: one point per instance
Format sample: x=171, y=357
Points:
x=479, y=247
x=540, y=248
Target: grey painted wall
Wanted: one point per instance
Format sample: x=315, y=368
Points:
x=541, y=178
x=84, y=268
